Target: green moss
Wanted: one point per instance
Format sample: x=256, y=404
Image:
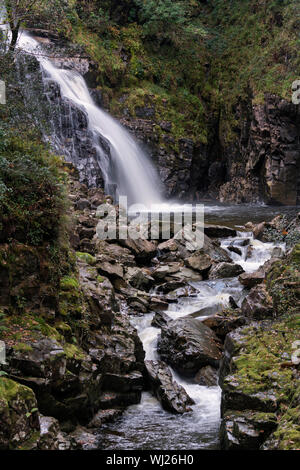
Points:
x=288, y=431
x=73, y=351
x=86, y=257
x=10, y=390
x=31, y=443
x=22, y=347
x=69, y=283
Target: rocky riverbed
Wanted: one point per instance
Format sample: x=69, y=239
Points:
x=75, y=362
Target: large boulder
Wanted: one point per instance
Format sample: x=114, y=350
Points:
x=43, y=358
x=200, y=262
x=246, y=430
x=111, y=270
x=219, y=231
x=258, y=304
x=51, y=436
x=207, y=376
x=139, y=278
x=160, y=319
x=19, y=422
x=165, y=270
x=224, y=270
x=143, y=250
x=236, y=397
x=252, y=279
x=188, y=345
x=225, y=321
x=172, y=396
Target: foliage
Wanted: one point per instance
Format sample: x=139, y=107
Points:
x=31, y=197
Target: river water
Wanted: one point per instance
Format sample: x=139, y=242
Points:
x=146, y=425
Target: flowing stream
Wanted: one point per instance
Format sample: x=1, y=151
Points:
x=147, y=425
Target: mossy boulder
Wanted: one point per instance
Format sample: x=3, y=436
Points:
x=19, y=422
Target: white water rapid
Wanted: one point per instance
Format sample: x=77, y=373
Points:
x=147, y=425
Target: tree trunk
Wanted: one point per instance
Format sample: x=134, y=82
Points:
x=14, y=35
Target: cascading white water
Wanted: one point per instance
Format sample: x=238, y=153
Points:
x=127, y=166
x=147, y=426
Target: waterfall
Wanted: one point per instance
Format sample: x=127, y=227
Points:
x=123, y=163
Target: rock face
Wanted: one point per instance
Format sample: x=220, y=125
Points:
x=172, y=396
x=269, y=146
x=188, y=345
x=67, y=124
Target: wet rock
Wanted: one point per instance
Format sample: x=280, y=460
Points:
x=157, y=304
x=234, y=342
x=223, y=270
x=246, y=430
x=224, y=322
x=235, y=249
x=143, y=250
x=139, y=278
x=258, y=231
x=272, y=443
x=277, y=252
x=235, y=397
x=51, y=436
x=84, y=439
x=105, y=416
x=112, y=252
x=172, y=396
x=232, y=303
x=110, y=270
x=219, y=231
x=164, y=270
x=186, y=275
x=252, y=279
x=188, y=345
x=170, y=286
x=44, y=358
x=200, y=263
x=110, y=399
x=177, y=249
x=207, y=376
x=123, y=383
x=82, y=204
x=258, y=304
x=160, y=319
x=186, y=291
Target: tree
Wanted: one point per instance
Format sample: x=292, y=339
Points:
x=17, y=12
x=168, y=19
x=160, y=17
